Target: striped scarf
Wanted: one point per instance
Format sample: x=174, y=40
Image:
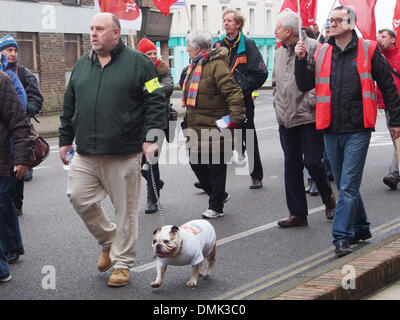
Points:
x=197, y=63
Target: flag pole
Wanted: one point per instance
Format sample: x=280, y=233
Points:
x=299, y=14
x=131, y=38
x=326, y=20
x=188, y=16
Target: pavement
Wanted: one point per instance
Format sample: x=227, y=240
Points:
x=371, y=273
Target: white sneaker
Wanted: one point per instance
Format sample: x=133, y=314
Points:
x=211, y=214
x=6, y=279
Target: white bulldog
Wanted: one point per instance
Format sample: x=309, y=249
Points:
x=188, y=244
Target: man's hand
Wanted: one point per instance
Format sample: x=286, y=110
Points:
x=300, y=49
x=20, y=170
x=150, y=149
x=63, y=152
x=233, y=126
x=395, y=132
x=379, y=40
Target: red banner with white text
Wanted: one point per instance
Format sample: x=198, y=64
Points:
x=396, y=22
x=308, y=10
x=164, y=5
x=127, y=11
x=365, y=11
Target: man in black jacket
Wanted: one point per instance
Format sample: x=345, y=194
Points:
x=346, y=112
x=250, y=72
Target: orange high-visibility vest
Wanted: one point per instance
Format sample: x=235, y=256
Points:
x=323, y=64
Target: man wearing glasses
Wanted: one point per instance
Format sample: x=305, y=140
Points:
x=343, y=72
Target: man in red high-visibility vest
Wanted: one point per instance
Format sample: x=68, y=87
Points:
x=343, y=72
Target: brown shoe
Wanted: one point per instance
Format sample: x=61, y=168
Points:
x=293, y=221
x=256, y=184
x=119, y=277
x=104, y=263
x=391, y=182
x=330, y=207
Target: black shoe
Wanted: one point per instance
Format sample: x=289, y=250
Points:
x=256, y=184
x=313, y=190
x=307, y=189
x=198, y=185
x=151, y=207
x=12, y=257
x=391, y=182
x=342, y=248
x=362, y=235
x=29, y=175
x=5, y=278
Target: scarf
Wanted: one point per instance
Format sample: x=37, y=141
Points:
x=232, y=43
x=197, y=64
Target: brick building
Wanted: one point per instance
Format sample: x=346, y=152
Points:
x=51, y=36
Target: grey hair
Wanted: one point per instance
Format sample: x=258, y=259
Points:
x=289, y=20
x=201, y=38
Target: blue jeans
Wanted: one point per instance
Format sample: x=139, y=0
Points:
x=347, y=153
x=4, y=267
x=9, y=227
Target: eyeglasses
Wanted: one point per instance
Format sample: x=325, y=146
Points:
x=337, y=20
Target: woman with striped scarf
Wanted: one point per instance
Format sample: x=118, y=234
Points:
x=210, y=93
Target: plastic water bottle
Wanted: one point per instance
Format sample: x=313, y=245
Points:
x=69, y=155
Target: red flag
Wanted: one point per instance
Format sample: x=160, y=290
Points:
x=308, y=10
x=164, y=5
x=396, y=22
x=365, y=11
x=127, y=11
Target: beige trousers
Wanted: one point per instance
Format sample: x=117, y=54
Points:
x=90, y=179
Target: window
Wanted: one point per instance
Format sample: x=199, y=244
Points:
x=222, y=10
x=252, y=21
x=205, y=17
x=72, y=50
x=75, y=2
x=27, y=50
x=269, y=22
x=193, y=22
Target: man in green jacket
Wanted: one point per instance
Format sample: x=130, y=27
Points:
x=112, y=101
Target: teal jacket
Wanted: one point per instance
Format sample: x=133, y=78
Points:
x=110, y=110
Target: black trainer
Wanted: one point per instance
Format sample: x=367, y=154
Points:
x=342, y=248
x=362, y=235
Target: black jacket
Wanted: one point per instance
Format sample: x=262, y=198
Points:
x=32, y=88
x=346, y=103
x=251, y=75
